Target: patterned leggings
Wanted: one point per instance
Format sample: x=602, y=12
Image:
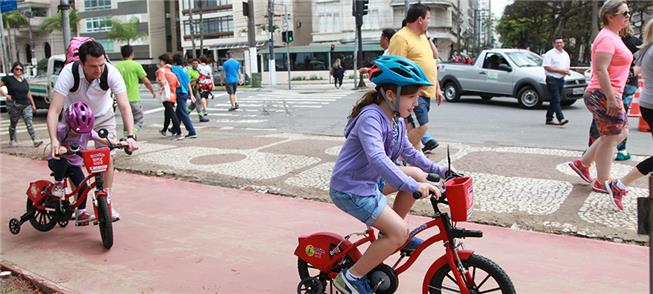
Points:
x=16, y=111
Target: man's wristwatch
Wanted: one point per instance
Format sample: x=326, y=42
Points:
x=132, y=137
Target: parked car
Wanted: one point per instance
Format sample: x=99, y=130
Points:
x=506, y=72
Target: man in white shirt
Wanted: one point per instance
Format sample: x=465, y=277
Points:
x=89, y=89
x=556, y=67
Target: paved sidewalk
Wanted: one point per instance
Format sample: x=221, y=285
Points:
x=180, y=237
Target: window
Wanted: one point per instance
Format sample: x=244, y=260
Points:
x=206, y=3
x=223, y=24
x=107, y=44
x=97, y=4
x=98, y=24
x=329, y=22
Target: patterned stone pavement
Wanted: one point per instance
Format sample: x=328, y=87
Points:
x=528, y=188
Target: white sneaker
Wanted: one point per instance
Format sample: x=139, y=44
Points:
x=115, y=215
x=59, y=189
x=13, y=143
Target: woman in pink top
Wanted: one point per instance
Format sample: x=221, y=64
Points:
x=611, y=61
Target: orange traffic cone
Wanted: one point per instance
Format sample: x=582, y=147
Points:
x=643, y=126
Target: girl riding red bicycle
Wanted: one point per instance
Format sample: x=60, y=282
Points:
x=365, y=171
x=76, y=132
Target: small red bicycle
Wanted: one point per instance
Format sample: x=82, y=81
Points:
x=45, y=211
x=322, y=255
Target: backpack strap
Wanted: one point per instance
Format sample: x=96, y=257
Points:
x=75, y=71
x=104, y=78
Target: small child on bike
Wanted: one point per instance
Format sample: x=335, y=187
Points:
x=365, y=171
x=75, y=133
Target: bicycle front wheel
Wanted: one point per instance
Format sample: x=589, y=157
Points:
x=104, y=221
x=488, y=277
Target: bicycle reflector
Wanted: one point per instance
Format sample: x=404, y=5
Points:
x=460, y=194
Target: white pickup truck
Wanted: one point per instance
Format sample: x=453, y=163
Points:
x=506, y=73
x=41, y=85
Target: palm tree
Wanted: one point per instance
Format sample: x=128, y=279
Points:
x=55, y=23
x=13, y=21
x=125, y=31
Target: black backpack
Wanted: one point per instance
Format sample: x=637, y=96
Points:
x=104, y=78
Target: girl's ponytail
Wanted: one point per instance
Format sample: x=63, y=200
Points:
x=370, y=97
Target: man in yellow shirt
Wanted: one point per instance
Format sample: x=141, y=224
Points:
x=412, y=42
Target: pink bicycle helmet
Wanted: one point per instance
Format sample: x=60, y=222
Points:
x=80, y=117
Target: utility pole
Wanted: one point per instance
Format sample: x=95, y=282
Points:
x=251, y=36
x=32, y=60
x=361, y=9
x=65, y=15
x=271, y=63
x=285, y=29
x=192, y=28
x=5, y=62
x=406, y=6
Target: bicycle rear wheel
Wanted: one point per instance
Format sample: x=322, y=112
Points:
x=104, y=221
x=487, y=276
x=43, y=220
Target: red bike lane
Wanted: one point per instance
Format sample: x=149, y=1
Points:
x=187, y=237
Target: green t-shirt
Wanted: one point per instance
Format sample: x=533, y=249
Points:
x=194, y=76
x=131, y=72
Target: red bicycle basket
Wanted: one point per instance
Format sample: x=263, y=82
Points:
x=97, y=160
x=460, y=194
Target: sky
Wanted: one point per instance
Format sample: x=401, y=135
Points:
x=498, y=6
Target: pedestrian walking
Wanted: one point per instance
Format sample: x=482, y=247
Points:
x=611, y=61
x=169, y=83
x=132, y=72
x=194, y=75
x=413, y=43
x=20, y=104
x=183, y=92
x=384, y=42
x=338, y=73
x=206, y=80
x=644, y=60
x=231, y=78
x=556, y=67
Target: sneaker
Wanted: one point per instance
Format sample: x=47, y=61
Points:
x=617, y=190
x=189, y=136
x=232, y=109
x=115, y=216
x=163, y=133
x=59, y=189
x=622, y=156
x=13, y=143
x=237, y=106
x=563, y=122
x=37, y=143
x=412, y=244
x=551, y=123
x=352, y=286
x=430, y=145
x=582, y=171
x=599, y=187
x=84, y=218
x=177, y=137
x=204, y=119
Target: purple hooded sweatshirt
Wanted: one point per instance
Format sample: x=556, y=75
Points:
x=368, y=156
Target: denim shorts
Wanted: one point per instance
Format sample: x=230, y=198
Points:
x=421, y=111
x=366, y=209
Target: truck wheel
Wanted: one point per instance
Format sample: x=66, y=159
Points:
x=529, y=98
x=567, y=103
x=451, y=92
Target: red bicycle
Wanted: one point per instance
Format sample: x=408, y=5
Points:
x=45, y=211
x=322, y=255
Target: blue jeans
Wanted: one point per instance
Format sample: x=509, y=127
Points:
x=555, y=87
x=182, y=113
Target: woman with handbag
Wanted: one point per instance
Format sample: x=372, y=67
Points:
x=169, y=82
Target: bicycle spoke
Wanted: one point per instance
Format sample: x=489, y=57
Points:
x=474, y=274
x=491, y=290
x=452, y=279
x=483, y=282
x=445, y=288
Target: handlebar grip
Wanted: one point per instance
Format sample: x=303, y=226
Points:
x=433, y=178
x=417, y=195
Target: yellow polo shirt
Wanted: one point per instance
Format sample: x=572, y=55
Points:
x=416, y=48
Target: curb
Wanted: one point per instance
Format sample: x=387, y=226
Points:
x=37, y=280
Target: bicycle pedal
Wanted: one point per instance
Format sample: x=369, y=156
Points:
x=81, y=224
x=95, y=223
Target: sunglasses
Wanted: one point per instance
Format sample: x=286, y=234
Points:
x=18, y=69
x=625, y=13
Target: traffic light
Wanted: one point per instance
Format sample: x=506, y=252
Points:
x=364, y=4
x=360, y=7
x=287, y=37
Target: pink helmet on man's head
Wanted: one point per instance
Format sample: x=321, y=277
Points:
x=80, y=117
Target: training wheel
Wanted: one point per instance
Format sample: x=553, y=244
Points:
x=14, y=226
x=310, y=285
x=63, y=223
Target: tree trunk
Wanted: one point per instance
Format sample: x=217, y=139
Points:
x=192, y=27
x=201, y=30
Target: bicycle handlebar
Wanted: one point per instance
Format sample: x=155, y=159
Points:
x=74, y=149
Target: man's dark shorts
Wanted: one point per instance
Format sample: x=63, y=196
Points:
x=421, y=111
x=231, y=88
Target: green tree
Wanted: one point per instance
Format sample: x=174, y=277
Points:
x=125, y=31
x=12, y=21
x=55, y=23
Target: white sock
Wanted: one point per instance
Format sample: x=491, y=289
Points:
x=620, y=184
x=351, y=276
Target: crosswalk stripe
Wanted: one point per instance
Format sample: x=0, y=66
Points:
x=23, y=131
x=244, y=121
x=289, y=100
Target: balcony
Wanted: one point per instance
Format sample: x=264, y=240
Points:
x=425, y=2
x=216, y=35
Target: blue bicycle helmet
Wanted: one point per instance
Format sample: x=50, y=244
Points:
x=397, y=70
